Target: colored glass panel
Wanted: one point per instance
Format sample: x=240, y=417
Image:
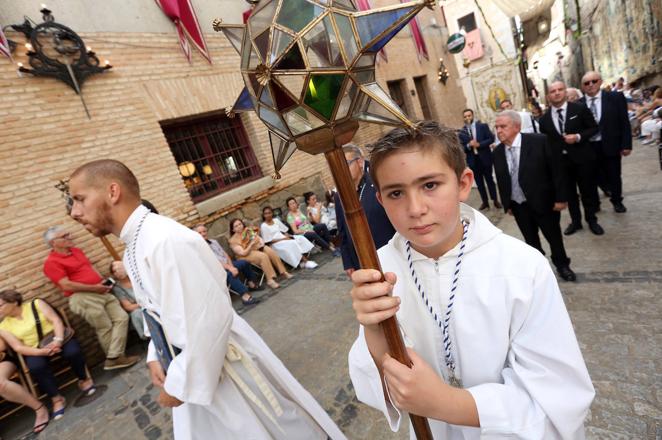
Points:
x=262, y=43
x=321, y=45
x=279, y=43
x=379, y=45
x=282, y=99
x=297, y=14
x=292, y=59
x=373, y=25
x=265, y=97
x=322, y=93
x=346, y=36
x=301, y=121
x=243, y=102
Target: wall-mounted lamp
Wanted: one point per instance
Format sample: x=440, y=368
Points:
x=186, y=169
x=542, y=24
x=207, y=170
x=443, y=74
x=58, y=52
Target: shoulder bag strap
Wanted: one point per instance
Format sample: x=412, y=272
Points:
x=37, y=320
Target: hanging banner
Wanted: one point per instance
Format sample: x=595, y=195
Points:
x=473, y=48
x=4, y=45
x=183, y=16
x=417, y=35
x=455, y=43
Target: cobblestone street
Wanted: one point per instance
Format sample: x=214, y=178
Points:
x=615, y=307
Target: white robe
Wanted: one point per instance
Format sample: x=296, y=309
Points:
x=290, y=251
x=513, y=342
x=183, y=285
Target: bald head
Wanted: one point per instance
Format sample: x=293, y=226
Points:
x=556, y=93
x=99, y=173
x=591, y=83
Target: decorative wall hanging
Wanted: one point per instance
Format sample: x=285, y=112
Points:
x=182, y=14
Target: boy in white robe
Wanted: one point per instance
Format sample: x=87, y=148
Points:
x=509, y=349
x=225, y=383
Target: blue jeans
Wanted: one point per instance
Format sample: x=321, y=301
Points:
x=234, y=283
x=41, y=370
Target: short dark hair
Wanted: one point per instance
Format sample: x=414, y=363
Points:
x=467, y=110
x=307, y=195
x=103, y=170
x=428, y=135
x=287, y=201
x=264, y=209
x=233, y=221
x=11, y=296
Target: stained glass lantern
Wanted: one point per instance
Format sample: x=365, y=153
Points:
x=309, y=65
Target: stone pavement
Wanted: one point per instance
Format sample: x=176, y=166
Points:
x=615, y=307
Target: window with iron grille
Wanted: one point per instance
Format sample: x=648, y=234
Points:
x=213, y=154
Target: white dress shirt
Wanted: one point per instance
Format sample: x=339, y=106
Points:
x=555, y=117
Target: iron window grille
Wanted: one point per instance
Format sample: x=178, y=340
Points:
x=213, y=154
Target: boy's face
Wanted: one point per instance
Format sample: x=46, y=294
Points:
x=421, y=195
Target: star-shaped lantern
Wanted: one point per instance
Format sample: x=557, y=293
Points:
x=309, y=65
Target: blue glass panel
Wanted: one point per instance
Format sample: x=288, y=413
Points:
x=244, y=101
x=371, y=26
x=381, y=43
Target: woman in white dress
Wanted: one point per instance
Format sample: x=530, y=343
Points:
x=291, y=249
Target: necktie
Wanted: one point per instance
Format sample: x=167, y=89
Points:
x=516, y=193
x=559, y=112
x=594, y=109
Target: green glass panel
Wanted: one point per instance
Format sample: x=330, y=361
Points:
x=293, y=83
x=380, y=24
x=235, y=35
x=262, y=43
x=265, y=97
x=301, y=121
x=281, y=150
x=262, y=17
x=322, y=93
x=297, y=14
x=271, y=118
x=365, y=76
x=282, y=99
x=279, y=43
x=321, y=45
x=349, y=96
x=291, y=60
x=346, y=36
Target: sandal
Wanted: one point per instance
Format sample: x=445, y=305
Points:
x=273, y=284
x=250, y=301
x=89, y=390
x=40, y=427
x=57, y=415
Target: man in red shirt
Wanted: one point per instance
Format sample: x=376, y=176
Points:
x=72, y=272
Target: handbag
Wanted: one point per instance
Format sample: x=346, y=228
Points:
x=44, y=341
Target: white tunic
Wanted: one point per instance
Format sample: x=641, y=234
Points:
x=290, y=251
x=513, y=342
x=178, y=277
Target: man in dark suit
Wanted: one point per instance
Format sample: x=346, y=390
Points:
x=531, y=186
x=380, y=226
x=613, y=140
x=569, y=126
x=476, y=139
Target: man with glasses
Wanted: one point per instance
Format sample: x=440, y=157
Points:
x=380, y=226
x=69, y=268
x=569, y=126
x=614, y=139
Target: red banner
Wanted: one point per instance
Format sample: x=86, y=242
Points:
x=183, y=16
x=364, y=5
x=417, y=35
x=4, y=45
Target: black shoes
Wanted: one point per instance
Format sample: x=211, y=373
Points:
x=484, y=206
x=566, y=273
x=619, y=207
x=596, y=228
x=498, y=205
x=572, y=228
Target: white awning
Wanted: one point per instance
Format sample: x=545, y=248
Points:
x=526, y=9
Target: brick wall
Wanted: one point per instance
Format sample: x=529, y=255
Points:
x=45, y=135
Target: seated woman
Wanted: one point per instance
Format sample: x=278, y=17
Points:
x=248, y=245
x=19, y=329
x=317, y=212
x=123, y=291
x=14, y=392
x=318, y=234
x=291, y=249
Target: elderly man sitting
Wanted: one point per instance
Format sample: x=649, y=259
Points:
x=233, y=269
x=70, y=270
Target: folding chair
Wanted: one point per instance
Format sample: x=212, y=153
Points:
x=8, y=408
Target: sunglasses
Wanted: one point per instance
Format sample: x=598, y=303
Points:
x=349, y=162
x=591, y=81
x=64, y=236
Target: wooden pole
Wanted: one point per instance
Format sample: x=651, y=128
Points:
x=365, y=250
x=111, y=250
